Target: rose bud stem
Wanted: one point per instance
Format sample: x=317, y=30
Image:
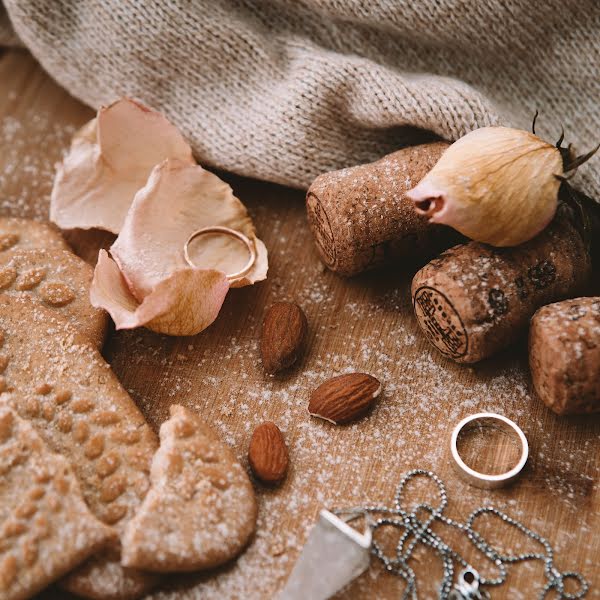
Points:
x=361, y=218
x=564, y=355
x=476, y=299
x=587, y=213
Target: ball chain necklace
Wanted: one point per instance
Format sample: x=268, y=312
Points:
x=420, y=532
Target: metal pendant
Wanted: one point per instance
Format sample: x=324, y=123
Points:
x=467, y=587
x=334, y=555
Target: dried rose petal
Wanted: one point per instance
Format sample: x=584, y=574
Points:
x=177, y=200
x=109, y=161
x=149, y=282
x=184, y=303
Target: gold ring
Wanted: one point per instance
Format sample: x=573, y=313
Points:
x=482, y=480
x=225, y=231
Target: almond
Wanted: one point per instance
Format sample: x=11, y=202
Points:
x=344, y=398
x=283, y=334
x=268, y=454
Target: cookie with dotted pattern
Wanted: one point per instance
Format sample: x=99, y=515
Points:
x=56, y=379
x=26, y=234
x=60, y=280
x=46, y=529
x=204, y=498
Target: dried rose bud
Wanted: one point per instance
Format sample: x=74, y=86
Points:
x=495, y=185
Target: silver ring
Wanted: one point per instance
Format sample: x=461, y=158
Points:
x=483, y=480
x=226, y=231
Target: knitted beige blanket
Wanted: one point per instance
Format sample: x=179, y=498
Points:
x=283, y=90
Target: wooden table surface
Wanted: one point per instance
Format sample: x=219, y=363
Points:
x=362, y=324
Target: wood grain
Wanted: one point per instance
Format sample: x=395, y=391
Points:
x=362, y=324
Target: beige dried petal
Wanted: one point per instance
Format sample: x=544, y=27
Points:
x=184, y=303
x=495, y=185
x=177, y=200
x=110, y=159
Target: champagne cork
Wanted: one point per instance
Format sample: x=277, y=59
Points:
x=564, y=355
x=475, y=299
x=361, y=219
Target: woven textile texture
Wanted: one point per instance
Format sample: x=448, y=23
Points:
x=7, y=34
x=284, y=90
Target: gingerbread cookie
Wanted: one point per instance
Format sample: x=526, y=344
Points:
x=46, y=528
x=59, y=279
x=203, y=496
x=59, y=382
x=26, y=235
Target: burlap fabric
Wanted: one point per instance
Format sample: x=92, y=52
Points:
x=286, y=89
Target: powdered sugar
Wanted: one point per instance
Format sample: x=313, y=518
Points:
x=361, y=324
x=354, y=325
x=29, y=147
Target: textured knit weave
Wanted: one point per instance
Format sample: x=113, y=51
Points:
x=7, y=34
x=286, y=89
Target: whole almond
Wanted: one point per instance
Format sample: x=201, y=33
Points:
x=268, y=454
x=283, y=335
x=344, y=398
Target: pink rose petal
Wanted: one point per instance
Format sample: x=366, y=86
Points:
x=110, y=159
x=177, y=200
x=184, y=303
